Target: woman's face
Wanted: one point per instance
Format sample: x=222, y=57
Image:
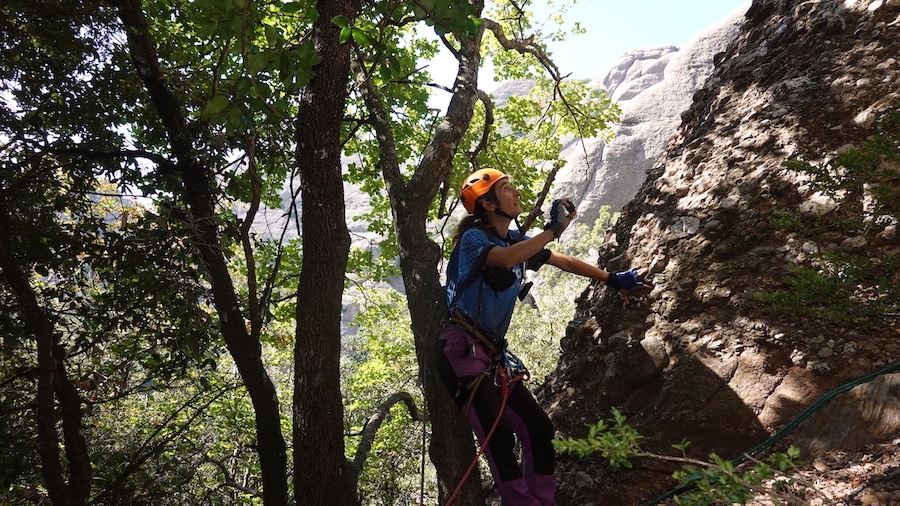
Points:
x=508, y=198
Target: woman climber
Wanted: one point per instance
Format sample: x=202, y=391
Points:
x=483, y=281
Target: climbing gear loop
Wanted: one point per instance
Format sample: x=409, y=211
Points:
x=509, y=368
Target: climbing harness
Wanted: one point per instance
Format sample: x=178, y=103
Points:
x=505, y=372
x=494, y=344
x=793, y=424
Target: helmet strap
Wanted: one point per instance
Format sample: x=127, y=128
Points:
x=502, y=213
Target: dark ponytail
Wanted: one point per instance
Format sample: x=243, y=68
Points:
x=479, y=218
x=469, y=221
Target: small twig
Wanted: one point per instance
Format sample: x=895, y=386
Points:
x=868, y=483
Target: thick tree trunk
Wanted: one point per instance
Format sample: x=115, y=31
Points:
x=199, y=194
x=53, y=386
x=451, y=449
x=320, y=466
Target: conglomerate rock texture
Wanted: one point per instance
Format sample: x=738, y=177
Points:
x=701, y=357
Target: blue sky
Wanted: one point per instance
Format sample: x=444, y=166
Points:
x=613, y=27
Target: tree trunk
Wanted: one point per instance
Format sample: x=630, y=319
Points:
x=320, y=466
x=53, y=385
x=198, y=192
x=452, y=449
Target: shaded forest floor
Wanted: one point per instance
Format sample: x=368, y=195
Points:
x=868, y=476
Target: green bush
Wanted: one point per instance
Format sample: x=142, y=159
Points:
x=717, y=481
x=614, y=439
x=839, y=286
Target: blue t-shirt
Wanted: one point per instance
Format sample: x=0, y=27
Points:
x=490, y=309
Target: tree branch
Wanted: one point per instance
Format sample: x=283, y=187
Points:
x=374, y=423
x=255, y=312
x=528, y=46
x=889, y=477
x=388, y=163
x=53, y=384
x=229, y=480
x=166, y=166
x=488, y=123
x=523, y=46
x=541, y=198
x=269, y=288
x=154, y=444
x=199, y=191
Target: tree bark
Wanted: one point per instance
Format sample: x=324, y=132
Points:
x=451, y=448
x=198, y=192
x=370, y=431
x=53, y=385
x=320, y=468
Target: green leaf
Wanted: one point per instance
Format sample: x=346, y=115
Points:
x=282, y=106
x=262, y=90
x=345, y=34
x=340, y=22
x=306, y=50
x=243, y=84
x=291, y=7
x=235, y=118
x=256, y=62
x=359, y=36
x=215, y=107
x=272, y=35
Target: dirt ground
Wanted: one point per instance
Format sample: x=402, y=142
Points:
x=869, y=476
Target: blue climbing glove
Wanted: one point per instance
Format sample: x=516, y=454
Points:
x=625, y=280
x=561, y=213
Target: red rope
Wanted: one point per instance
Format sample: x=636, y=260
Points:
x=503, y=397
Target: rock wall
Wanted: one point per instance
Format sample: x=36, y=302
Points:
x=700, y=357
x=653, y=87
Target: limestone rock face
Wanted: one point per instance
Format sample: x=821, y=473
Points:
x=653, y=87
x=701, y=357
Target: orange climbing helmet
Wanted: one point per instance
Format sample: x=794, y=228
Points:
x=477, y=184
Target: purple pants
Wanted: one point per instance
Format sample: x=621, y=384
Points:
x=460, y=360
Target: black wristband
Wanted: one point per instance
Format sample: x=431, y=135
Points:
x=612, y=281
x=555, y=227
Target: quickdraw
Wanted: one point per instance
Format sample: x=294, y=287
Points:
x=510, y=368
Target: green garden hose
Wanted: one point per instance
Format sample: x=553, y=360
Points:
x=787, y=428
